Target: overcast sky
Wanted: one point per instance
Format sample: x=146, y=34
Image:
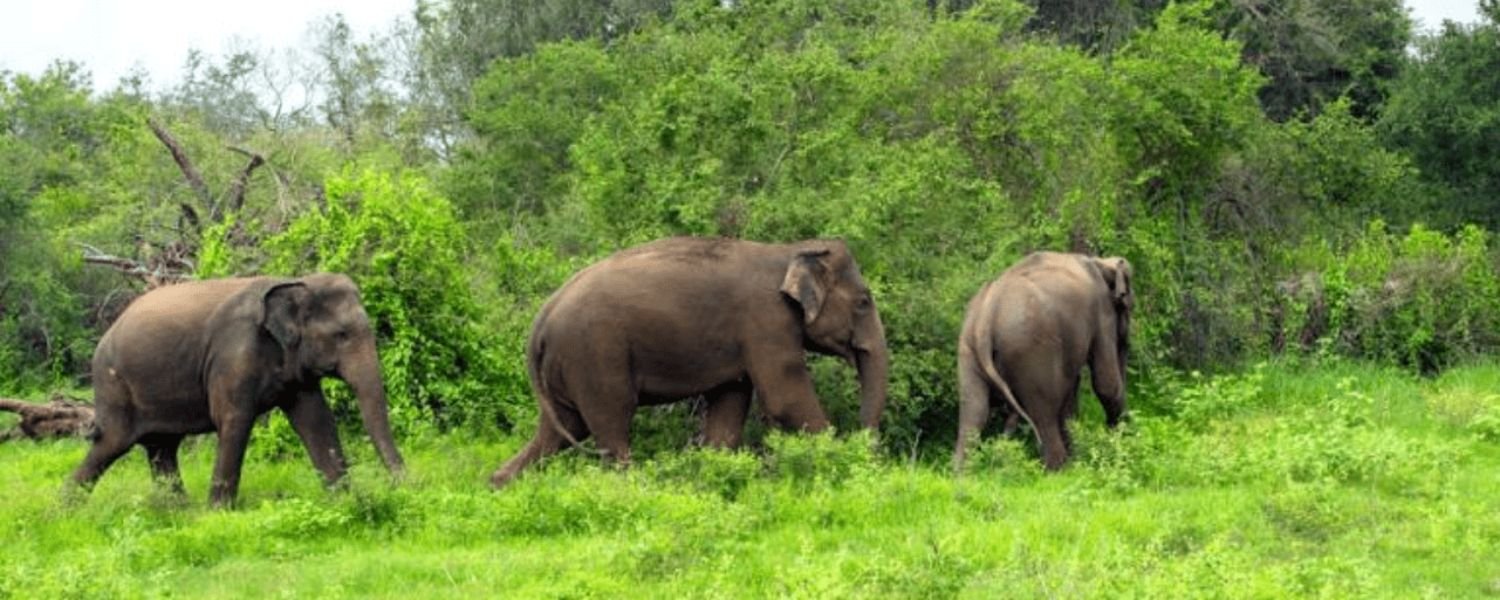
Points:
x=111, y=36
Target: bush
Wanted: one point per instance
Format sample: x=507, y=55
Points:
x=402, y=244
x=1425, y=300
x=822, y=458
x=721, y=472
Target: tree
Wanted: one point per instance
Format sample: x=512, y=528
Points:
x=1445, y=111
x=356, y=98
x=55, y=140
x=453, y=43
x=1316, y=50
x=1094, y=25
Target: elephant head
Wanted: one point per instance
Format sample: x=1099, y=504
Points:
x=322, y=329
x=1116, y=272
x=840, y=318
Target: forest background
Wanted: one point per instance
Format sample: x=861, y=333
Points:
x=1310, y=180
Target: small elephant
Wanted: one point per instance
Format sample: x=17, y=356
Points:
x=680, y=317
x=213, y=355
x=1026, y=337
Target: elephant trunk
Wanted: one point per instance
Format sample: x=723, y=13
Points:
x=873, y=362
x=361, y=370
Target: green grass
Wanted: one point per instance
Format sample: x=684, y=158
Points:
x=1284, y=480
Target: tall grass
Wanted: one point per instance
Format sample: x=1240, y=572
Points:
x=1281, y=480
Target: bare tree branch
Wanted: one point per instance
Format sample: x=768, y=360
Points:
x=283, y=185
x=236, y=198
x=171, y=265
x=190, y=214
x=185, y=164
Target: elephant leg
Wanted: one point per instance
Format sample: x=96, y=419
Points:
x=973, y=406
x=234, y=437
x=1069, y=410
x=1066, y=434
x=547, y=441
x=1053, y=434
x=609, y=422
x=313, y=422
x=161, y=451
x=1070, y=400
x=1108, y=379
x=1012, y=423
x=1042, y=398
x=724, y=418
x=107, y=448
x=786, y=390
x=114, y=434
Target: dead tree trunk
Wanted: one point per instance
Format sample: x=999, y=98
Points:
x=61, y=417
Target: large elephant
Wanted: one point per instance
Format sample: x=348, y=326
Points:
x=1026, y=338
x=213, y=355
x=680, y=317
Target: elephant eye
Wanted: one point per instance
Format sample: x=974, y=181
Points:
x=865, y=303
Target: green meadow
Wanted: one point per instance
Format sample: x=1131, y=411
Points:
x=1280, y=480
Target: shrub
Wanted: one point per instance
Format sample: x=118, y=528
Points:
x=1203, y=400
x=1425, y=300
x=721, y=472
x=805, y=459
x=402, y=244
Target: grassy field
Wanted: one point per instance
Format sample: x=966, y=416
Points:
x=1283, y=480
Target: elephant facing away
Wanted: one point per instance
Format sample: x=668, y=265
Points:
x=680, y=317
x=1026, y=338
x=213, y=355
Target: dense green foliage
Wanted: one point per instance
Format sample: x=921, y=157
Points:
x=405, y=247
x=1445, y=112
x=1289, y=480
x=942, y=140
x=72, y=169
x=1317, y=51
x=943, y=149
x=1421, y=300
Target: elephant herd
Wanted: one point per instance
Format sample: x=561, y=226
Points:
x=672, y=319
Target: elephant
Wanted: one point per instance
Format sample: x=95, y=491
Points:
x=680, y=317
x=1026, y=338
x=213, y=355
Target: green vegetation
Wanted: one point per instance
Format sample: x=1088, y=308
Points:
x=1293, y=189
x=1290, y=480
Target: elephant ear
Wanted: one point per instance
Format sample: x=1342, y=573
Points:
x=284, y=306
x=804, y=282
x=1116, y=272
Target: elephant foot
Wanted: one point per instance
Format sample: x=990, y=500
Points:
x=502, y=478
x=73, y=494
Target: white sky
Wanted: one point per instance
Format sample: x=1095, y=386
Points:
x=111, y=36
x=1430, y=14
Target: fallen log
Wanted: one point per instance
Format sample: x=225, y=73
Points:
x=62, y=417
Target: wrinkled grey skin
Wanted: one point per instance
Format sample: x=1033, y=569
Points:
x=213, y=355
x=1026, y=338
x=680, y=317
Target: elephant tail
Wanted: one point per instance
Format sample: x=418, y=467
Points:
x=984, y=352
